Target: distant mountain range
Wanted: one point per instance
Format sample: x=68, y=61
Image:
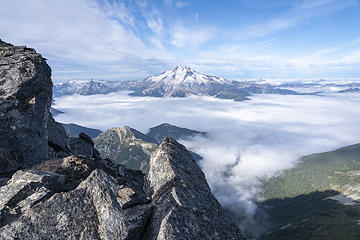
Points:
x=350, y=90
x=179, y=82
x=87, y=87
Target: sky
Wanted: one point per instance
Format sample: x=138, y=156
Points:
x=247, y=141
x=235, y=39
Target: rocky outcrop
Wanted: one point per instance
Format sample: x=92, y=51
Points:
x=25, y=98
x=92, y=198
x=24, y=189
x=83, y=145
x=57, y=140
x=30, y=133
x=74, y=198
x=184, y=207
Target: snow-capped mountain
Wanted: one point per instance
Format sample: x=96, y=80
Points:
x=185, y=76
x=179, y=82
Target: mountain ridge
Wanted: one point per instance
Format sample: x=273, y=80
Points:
x=132, y=148
x=178, y=82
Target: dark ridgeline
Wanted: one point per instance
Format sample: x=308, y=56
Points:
x=58, y=187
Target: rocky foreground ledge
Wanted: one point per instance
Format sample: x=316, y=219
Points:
x=53, y=187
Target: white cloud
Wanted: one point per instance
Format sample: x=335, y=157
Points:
x=353, y=57
x=156, y=25
x=248, y=140
x=190, y=37
x=80, y=35
x=306, y=4
x=117, y=10
x=181, y=4
x=57, y=28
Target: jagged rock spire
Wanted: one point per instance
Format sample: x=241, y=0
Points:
x=184, y=207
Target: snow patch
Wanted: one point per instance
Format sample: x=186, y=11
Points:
x=344, y=200
x=286, y=226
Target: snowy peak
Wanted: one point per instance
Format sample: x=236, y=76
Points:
x=180, y=82
x=186, y=76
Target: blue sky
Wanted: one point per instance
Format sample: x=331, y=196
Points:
x=236, y=39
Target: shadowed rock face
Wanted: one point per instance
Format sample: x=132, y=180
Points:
x=57, y=140
x=184, y=207
x=84, y=196
x=30, y=135
x=25, y=98
x=83, y=145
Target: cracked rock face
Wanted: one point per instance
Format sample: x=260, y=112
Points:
x=36, y=204
x=83, y=145
x=25, y=98
x=184, y=207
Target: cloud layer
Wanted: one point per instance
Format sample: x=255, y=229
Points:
x=248, y=140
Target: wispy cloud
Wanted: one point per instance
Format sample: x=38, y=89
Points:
x=301, y=12
x=181, y=4
x=84, y=34
x=267, y=41
x=352, y=57
x=190, y=37
x=308, y=4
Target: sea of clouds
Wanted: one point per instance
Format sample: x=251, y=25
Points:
x=248, y=141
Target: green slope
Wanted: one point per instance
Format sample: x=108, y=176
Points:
x=300, y=203
x=317, y=172
x=126, y=146
x=236, y=94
